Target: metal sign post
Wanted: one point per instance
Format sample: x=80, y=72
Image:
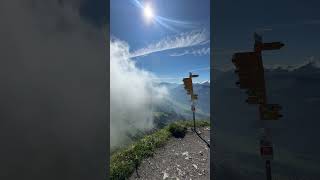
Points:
x=268, y=169
x=249, y=67
x=188, y=86
x=193, y=109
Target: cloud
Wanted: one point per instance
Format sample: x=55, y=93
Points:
x=264, y=29
x=183, y=40
x=132, y=96
x=200, y=69
x=180, y=54
x=225, y=51
x=161, y=78
x=196, y=52
x=289, y=25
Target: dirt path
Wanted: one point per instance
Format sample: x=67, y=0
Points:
x=183, y=159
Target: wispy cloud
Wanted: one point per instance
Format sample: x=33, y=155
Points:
x=200, y=69
x=288, y=25
x=263, y=29
x=225, y=51
x=183, y=40
x=312, y=22
x=180, y=53
x=167, y=78
x=197, y=52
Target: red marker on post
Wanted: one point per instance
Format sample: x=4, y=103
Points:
x=193, y=108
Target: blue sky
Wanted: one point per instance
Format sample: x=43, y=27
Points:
x=294, y=22
x=179, y=43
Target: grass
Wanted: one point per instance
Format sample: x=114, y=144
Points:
x=124, y=161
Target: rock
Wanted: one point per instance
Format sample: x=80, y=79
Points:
x=180, y=172
x=165, y=175
x=201, y=153
x=186, y=154
x=195, y=166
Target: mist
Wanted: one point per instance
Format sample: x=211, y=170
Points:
x=132, y=95
x=53, y=92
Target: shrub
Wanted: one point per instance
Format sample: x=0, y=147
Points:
x=177, y=130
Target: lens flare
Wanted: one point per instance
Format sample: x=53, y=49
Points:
x=148, y=12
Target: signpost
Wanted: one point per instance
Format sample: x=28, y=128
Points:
x=189, y=88
x=266, y=148
x=249, y=68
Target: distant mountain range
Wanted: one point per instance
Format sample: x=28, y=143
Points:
x=179, y=101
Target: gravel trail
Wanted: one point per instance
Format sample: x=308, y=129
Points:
x=180, y=159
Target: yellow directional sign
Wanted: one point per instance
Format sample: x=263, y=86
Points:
x=188, y=85
x=270, y=112
x=194, y=96
x=272, y=46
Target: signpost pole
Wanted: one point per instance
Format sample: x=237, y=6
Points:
x=249, y=67
x=268, y=169
x=193, y=107
x=194, y=117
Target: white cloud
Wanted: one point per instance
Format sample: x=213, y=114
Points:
x=183, y=40
x=132, y=95
x=200, y=69
x=263, y=29
x=196, y=52
x=181, y=53
x=313, y=22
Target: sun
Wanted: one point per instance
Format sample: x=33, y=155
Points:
x=148, y=12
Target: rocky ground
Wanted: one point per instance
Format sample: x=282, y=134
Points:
x=184, y=159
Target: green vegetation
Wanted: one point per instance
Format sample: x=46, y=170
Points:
x=199, y=123
x=124, y=161
x=177, y=130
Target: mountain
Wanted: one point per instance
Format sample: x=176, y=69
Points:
x=177, y=106
x=179, y=97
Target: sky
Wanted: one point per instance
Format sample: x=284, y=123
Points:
x=294, y=22
x=170, y=45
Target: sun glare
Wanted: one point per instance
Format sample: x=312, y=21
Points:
x=148, y=12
